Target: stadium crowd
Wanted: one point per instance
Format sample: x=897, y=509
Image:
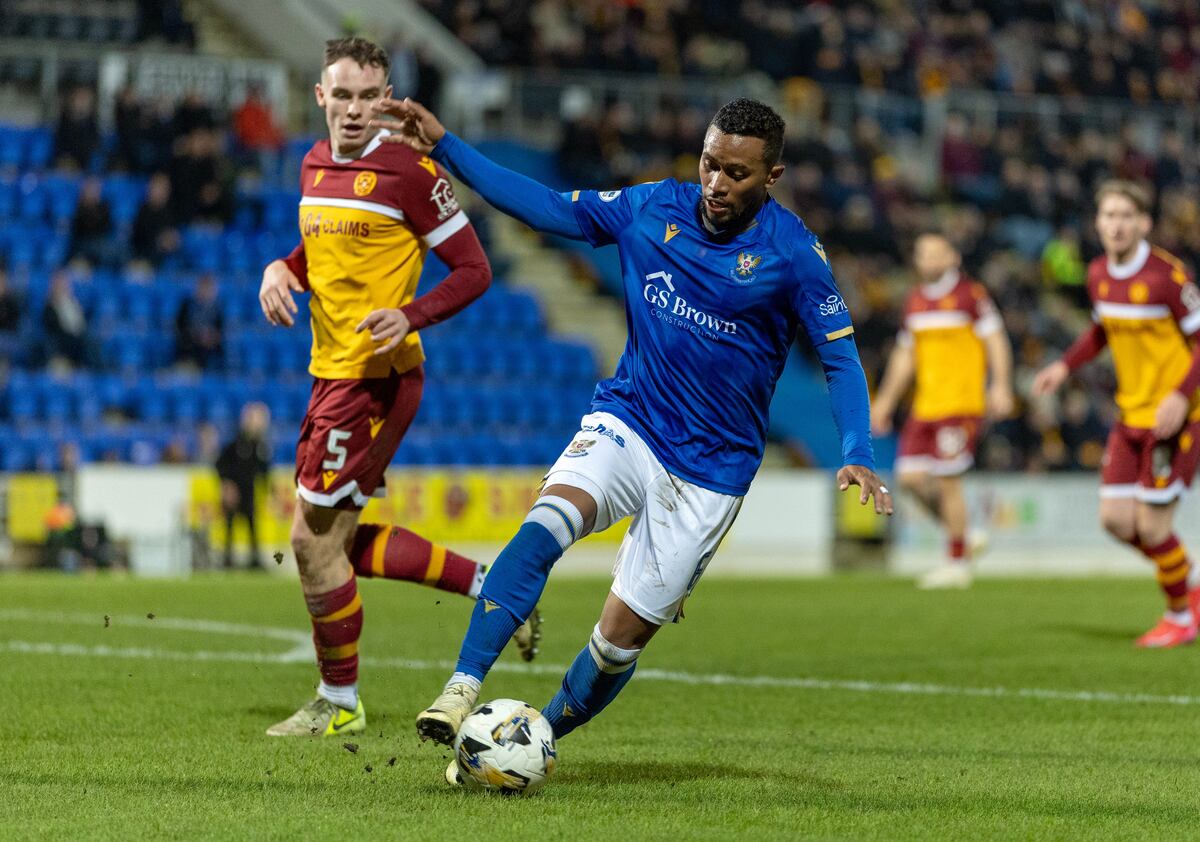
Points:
x=1014, y=194
x=1143, y=51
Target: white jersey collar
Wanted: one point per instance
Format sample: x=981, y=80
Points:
x=374, y=144
x=942, y=286
x=1122, y=271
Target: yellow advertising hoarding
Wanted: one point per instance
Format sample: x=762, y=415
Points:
x=445, y=506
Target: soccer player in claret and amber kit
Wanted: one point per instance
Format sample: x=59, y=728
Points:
x=370, y=213
x=719, y=279
x=951, y=340
x=1146, y=309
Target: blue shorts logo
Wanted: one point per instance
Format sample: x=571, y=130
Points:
x=601, y=430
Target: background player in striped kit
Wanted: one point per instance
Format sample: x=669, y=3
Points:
x=951, y=340
x=1146, y=309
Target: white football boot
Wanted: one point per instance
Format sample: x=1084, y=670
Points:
x=953, y=574
x=441, y=720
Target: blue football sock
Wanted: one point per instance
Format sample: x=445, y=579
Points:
x=594, y=679
x=513, y=587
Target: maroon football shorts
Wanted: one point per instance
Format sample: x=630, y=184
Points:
x=1139, y=466
x=944, y=447
x=350, y=434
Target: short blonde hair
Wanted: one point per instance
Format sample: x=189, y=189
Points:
x=1131, y=190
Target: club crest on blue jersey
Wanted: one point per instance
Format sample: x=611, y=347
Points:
x=743, y=269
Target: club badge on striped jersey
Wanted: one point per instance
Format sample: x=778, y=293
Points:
x=364, y=183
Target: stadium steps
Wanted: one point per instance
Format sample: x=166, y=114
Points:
x=570, y=307
x=216, y=34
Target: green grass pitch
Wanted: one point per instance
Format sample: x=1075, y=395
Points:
x=853, y=708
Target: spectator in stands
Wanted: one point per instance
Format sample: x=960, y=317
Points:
x=155, y=236
x=77, y=138
x=10, y=306
x=65, y=325
x=192, y=113
x=143, y=131
x=127, y=122
x=241, y=463
x=429, y=78
x=214, y=205
x=403, y=75
x=196, y=163
x=199, y=335
x=164, y=19
x=92, y=231
x=258, y=138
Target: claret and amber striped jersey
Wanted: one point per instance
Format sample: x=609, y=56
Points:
x=1149, y=308
x=366, y=225
x=944, y=324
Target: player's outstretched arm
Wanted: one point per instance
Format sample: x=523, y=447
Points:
x=1089, y=344
x=999, y=358
x=896, y=379
x=517, y=195
x=851, y=413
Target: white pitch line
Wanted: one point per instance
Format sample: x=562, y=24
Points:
x=301, y=653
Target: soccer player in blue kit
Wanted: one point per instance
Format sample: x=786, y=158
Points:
x=718, y=279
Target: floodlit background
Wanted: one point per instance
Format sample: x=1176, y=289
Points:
x=149, y=158
x=148, y=162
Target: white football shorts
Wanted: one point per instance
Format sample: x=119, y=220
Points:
x=676, y=527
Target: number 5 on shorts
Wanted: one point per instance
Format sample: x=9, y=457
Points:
x=335, y=448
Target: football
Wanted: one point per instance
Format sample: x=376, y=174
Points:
x=506, y=746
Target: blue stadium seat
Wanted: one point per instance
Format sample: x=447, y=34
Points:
x=283, y=451
x=185, y=405
x=16, y=457
x=150, y=404
x=39, y=147
x=57, y=403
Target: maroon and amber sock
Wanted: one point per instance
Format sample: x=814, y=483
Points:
x=390, y=552
x=1170, y=557
x=337, y=619
x=957, y=548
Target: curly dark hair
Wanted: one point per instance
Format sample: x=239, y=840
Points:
x=751, y=118
x=365, y=53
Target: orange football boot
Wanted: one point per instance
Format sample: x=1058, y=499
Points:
x=1167, y=634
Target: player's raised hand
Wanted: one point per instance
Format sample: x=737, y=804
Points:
x=389, y=326
x=275, y=294
x=1047, y=381
x=871, y=484
x=409, y=122
x=1171, y=413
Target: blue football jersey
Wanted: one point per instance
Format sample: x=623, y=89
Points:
x=711, y=321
